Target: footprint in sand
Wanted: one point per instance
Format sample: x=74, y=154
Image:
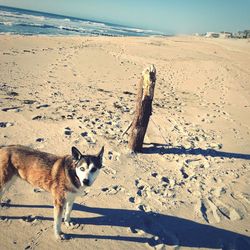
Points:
x=184, y=174
x=39, y=117
x=68, y=132
x=202, y=210
x=143, y=208
x=29, y=218
x=109, y=171
x=43, y=106
x=15, y=109
x=132, y=199
x=226, y=210
x=214, y=211
x=244, y=197
x=40, y=140
x=6, y=124
x=12, y=93
x=38, y=190
x=141, y=187
x=5, y=203
x=29, y=102
x=112, y=190
x=154, y=174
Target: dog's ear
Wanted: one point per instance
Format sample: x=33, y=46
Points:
x=76, y=154
x=100, y=154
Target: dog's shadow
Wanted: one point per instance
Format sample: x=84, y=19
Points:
x=163, y=229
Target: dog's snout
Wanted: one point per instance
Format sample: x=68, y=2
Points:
x=86, y=182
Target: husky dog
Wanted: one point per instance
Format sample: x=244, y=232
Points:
x=65, y=177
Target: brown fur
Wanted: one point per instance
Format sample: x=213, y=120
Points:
x=50, y=172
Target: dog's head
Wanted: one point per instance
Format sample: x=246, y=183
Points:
x=87, y=167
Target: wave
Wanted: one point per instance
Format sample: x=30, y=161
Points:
x=68, y=28
x=33, y=25
x=21, y=16
x=32, y=22
x=6, y=23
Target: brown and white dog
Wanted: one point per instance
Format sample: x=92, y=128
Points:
x=65, y=177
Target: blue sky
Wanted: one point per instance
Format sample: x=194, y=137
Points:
x=170, y=16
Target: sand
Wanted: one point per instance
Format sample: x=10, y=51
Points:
x=190, y=186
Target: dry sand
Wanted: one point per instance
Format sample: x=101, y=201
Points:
x=190, y=187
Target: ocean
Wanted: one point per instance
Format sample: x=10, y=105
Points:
x=27, y=22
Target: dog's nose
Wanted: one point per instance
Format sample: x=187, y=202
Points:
x=86, y=182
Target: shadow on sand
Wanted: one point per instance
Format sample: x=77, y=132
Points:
x=156, y=148
x=166, y=229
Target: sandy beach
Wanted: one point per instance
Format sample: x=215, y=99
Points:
x=189, y=188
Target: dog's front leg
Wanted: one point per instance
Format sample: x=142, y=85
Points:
x=69, y=205
x=58, y=210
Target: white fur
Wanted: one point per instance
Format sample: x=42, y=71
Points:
x=82, y=174
x=69, y=204
x=86, y=174
x=57, y=224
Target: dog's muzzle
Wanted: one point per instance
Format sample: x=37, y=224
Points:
x=86, y=182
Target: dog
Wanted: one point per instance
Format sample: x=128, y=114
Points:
x=65, y=177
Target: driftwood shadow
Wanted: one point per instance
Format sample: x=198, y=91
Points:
x=156, y=148
x=161, y=229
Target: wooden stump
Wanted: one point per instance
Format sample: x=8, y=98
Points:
x=143, y=108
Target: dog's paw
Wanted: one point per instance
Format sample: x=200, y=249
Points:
x=61, y=236
x=71, y=225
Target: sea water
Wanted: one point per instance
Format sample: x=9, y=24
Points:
x=27, y=22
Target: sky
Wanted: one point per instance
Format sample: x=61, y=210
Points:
x=168, y=16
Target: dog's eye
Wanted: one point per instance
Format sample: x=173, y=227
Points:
x=93, y=170
x=82, y=168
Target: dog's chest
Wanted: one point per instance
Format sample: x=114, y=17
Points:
x=70, y=196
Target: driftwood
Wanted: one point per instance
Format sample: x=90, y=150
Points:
x=143, y=109
x=127, y=129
